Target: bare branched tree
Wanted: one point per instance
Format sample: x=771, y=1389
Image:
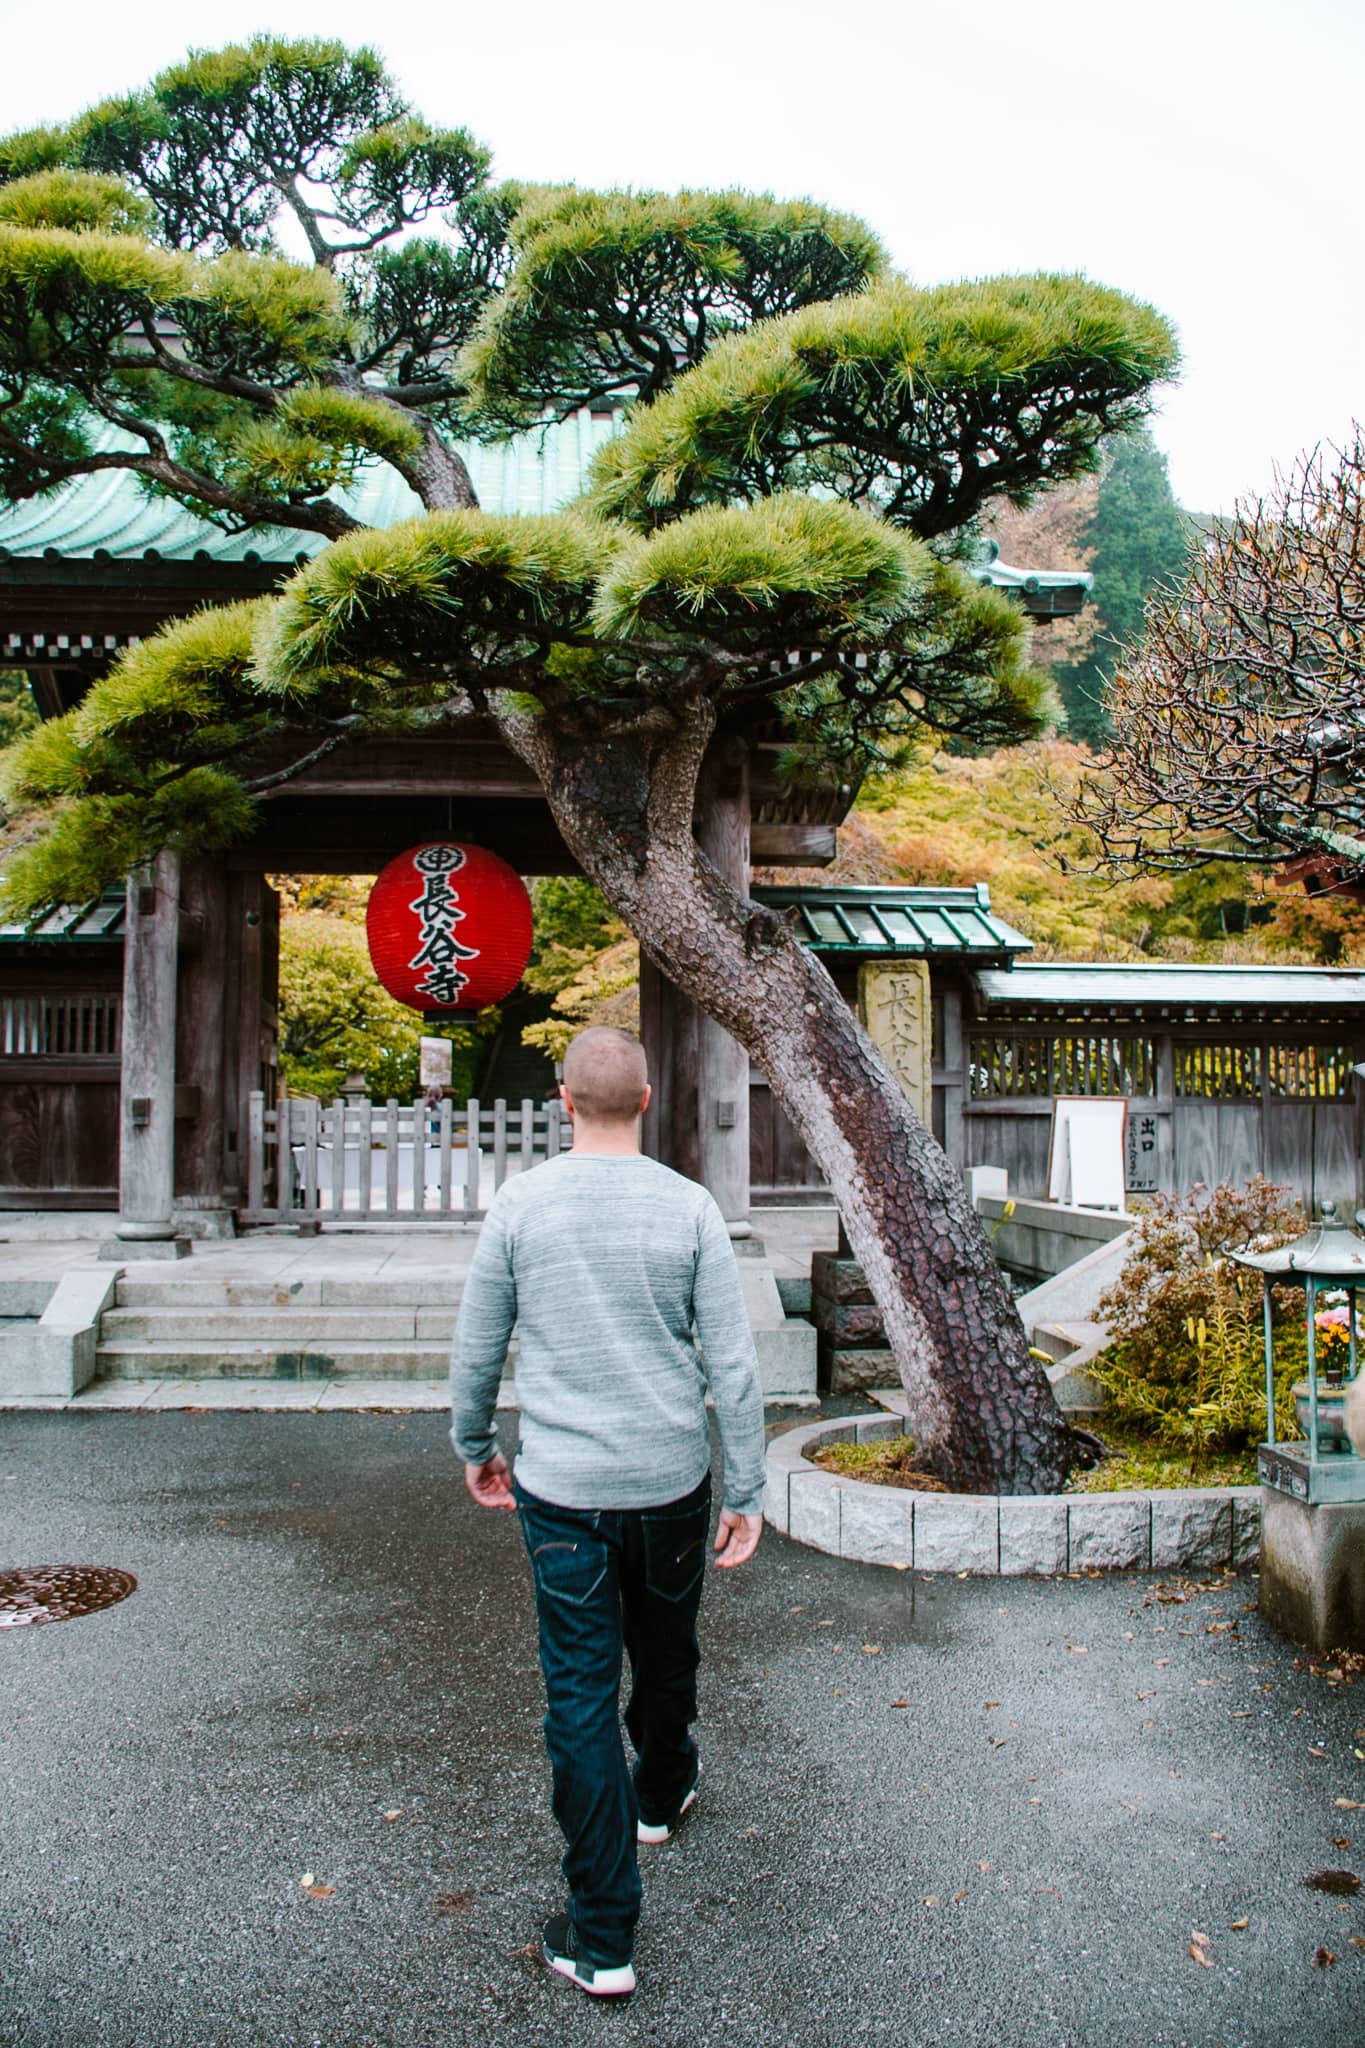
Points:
x=1239, y=718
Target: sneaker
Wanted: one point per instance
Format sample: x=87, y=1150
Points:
x=664, y=1830
x=559, y=1945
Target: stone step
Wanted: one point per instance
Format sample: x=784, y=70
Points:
x=148, y=1360
x=419, y=1288
x=302, y=1328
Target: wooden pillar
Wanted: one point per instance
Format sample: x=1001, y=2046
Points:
x=723, y=1116
x=670, y=1029
x=251, y=973
x=201, y=1009
x=147, y=1113
x=656, y=1118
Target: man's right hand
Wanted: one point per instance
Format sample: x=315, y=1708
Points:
x=737, y=1537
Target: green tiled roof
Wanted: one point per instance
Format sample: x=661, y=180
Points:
x=110, y=515
x=891, y=923
x=864, y=922
x=102, y=920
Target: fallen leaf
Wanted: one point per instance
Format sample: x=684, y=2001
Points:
x=394, y=1813
x=999, y=1741
x=1035, y=1802
x=1049, y=1889
x=1361, y=1754
x=990, y=1704
x=1078, y=1649
x=1242, y=1714
x=1341, y=1841
x=983, y=1866
x=1204, y=1681
x=1324, y=1959
x=932, y=1900
x=1214, y=1836
x=872, y=1649
x=958, y=1897
x=1201, y=1956
x=1316, y=1752
x=1238, y=1926
x=824, y=1624
x=1356, y=1940
x=1148, y=1695
x=307, y=1879
x=1351, y=1805
x=900, y=1703
x=1342, y=1884
x=1161, y=1662
x=449, y=1903
x=321, y=1891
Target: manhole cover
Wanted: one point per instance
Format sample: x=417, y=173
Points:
x=59, y=1592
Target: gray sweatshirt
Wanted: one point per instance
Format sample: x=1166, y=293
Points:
x=604, y=1264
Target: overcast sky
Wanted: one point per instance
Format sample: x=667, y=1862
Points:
x=1198, y=154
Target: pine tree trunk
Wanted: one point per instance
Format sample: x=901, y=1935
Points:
x=982, y=1411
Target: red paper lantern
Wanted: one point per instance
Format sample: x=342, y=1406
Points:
x=449, y=927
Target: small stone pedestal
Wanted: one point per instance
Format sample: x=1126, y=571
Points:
x=1313, y=1549
x=851, y=1347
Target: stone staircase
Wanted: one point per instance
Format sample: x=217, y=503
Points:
x=259, y=1329
x=172, y=1323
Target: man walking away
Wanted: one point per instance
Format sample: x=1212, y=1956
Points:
x=606, y=1261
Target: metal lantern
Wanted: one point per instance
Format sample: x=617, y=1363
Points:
x=1324, y=1262
x=449, y=927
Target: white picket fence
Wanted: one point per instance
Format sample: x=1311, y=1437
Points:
x=349, y=1161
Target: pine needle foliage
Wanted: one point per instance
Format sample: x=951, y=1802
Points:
x=614, y=293
x=800, y=424
x=921, y=402
x=401, y=604
x=63, y=198
x=817, y=567
x=94, y=841
x=180, y=699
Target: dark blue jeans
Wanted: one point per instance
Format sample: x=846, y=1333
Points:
x=611, y=1580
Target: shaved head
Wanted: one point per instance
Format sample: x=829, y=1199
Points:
x=605, y=1072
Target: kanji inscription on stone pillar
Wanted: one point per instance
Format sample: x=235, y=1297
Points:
x=895, y=1011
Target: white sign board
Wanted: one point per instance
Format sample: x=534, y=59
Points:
x=1086, y=1159
x=435, y=1062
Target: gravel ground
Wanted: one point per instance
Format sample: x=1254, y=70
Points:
x=987, y=1812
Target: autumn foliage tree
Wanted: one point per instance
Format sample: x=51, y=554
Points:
x=1239, y=715
x=772, y=540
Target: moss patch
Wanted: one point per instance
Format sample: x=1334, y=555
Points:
x=1136, y=1464
x=887, y=1461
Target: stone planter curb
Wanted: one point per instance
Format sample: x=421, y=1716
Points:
x=1010, y=1536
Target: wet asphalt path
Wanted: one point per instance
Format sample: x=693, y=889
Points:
x=329, y=1669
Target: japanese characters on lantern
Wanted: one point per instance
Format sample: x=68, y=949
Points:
x=449, y=927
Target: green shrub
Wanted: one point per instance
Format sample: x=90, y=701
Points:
x=1186, y=1360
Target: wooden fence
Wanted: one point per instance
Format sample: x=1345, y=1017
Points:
x=1202, y=1105
x=408, y=1161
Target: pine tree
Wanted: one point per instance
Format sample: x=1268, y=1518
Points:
x=1140, y=541
x=771, y=540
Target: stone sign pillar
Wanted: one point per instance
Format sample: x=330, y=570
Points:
x=147, y=1109
x=724, y=1063
x=895, y=1011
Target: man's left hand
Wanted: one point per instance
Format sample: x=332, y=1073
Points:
x=491, y=1484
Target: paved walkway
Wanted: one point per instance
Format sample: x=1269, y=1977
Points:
x=36, y=1246
x=933, y=1811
